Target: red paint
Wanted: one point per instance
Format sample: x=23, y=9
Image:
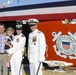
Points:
x=44, y=17
x=55, y=26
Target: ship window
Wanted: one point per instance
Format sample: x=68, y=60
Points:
x=69, y=21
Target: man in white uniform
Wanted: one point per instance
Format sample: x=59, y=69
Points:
x=36, y=48
x=18, y=46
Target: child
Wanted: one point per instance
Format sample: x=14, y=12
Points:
x=9, y=42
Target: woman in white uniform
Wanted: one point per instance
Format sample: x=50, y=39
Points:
x=18, y=46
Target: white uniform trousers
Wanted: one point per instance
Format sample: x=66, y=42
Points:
x=15, y=66
x=34, y=67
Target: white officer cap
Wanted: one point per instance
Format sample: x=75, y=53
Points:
x=32, y=21
x=19, y=27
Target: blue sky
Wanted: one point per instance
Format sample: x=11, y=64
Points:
x=26, y=2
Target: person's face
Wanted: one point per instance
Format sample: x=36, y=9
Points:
x=19, y=31
x=33, y=28
x=2, y=29
x=9, y=33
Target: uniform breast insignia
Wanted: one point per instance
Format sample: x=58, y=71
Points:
x=17, y=40
x=34, y=39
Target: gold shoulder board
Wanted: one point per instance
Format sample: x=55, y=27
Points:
x=22, y=35
x=39, y=31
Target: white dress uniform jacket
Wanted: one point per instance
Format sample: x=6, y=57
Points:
x=18, y=46
x=36, y=50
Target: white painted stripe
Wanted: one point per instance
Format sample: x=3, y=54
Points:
x=50, y=10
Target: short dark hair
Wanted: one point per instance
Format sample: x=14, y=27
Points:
x=1, y=24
